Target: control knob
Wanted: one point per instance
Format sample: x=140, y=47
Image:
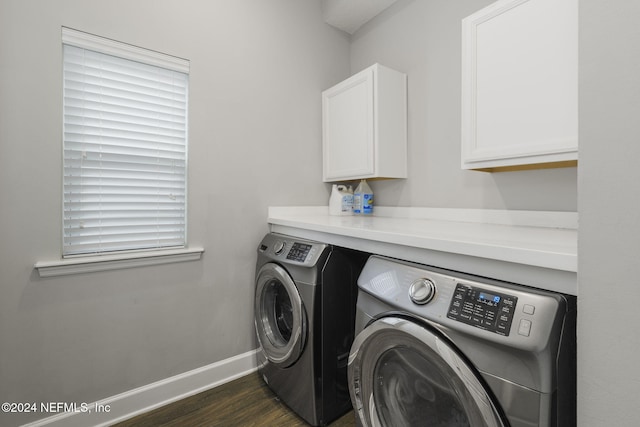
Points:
x=422, y=291
x=278, y=247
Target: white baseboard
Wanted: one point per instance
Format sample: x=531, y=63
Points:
x=146, y=398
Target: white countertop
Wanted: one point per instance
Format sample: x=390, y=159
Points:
x=535, y=248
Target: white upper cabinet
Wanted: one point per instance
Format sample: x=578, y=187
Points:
x=364, y=126
x=520, y=85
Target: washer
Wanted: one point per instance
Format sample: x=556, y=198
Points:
x=440, y=348
x=305, y=323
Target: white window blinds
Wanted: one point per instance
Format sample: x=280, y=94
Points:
x=125, y=147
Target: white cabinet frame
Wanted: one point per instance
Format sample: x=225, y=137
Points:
x=520, y=85
x=364, y=126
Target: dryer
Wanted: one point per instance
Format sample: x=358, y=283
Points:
x=441, y=348
x=305, y=323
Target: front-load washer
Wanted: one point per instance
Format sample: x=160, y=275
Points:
x=441, y=348
x=305, y=323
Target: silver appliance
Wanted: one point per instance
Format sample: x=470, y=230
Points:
x=440, y=348
x=305, y=323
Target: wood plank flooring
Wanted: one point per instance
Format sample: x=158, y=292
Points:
x=246, y=401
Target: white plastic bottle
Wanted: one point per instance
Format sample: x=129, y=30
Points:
x=363, y=199
x=347, y=200
x=335, y=201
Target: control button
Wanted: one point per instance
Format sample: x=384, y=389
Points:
x=528, y=309
x=525, y=327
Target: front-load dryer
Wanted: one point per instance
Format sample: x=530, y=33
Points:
x=305, y=323
x=441, y=348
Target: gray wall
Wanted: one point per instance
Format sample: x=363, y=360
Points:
x=609, y=206
x=257, y=70
x=422, y=38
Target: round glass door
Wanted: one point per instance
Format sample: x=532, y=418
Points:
x=279, y=316
x=403, y=374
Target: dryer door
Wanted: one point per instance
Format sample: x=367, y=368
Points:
x=403, y=373
x=280, y=316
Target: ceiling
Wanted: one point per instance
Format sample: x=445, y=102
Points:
x=349, y=15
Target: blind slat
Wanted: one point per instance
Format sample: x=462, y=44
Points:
x=125, y=154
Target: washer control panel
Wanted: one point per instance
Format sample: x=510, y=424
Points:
x=483, y=309
x=299, y=252
x=292, y=251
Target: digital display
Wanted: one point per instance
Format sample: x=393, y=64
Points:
x=484, y=297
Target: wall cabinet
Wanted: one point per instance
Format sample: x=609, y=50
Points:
x=520, y=85
x=364, y=126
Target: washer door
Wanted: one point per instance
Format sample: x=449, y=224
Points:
x=279, y=316
x=402, y=373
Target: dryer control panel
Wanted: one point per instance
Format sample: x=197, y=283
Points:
x=464, y=305
x=484, y=309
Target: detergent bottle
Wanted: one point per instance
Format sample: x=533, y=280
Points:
x=346, y=206
x=363, y=199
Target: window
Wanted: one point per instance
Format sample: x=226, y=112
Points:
x=125, y=147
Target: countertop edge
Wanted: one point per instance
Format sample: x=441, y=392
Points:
x=560, y=252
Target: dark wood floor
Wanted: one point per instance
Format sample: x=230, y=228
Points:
x=244, y=402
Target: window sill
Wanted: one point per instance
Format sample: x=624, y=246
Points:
x=92, y=264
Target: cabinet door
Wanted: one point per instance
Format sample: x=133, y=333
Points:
x=348, y=128
x=520, y=84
